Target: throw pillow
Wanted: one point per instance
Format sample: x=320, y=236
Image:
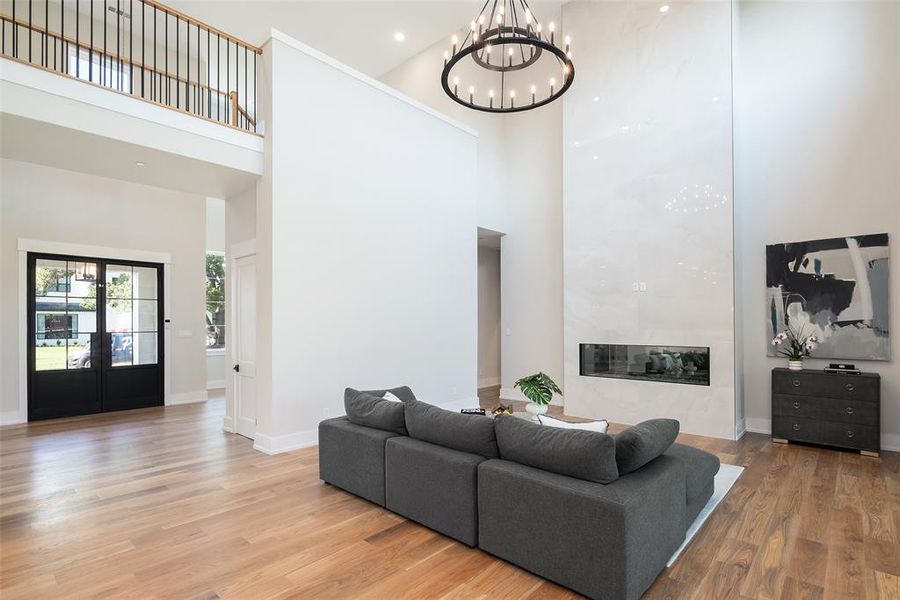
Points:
x=467, y=433
x=638, y=445
x=599, y=426
x=587, y=455
x=390, y=397
x=368, y=410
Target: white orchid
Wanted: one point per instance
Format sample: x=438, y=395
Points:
x=798, y=346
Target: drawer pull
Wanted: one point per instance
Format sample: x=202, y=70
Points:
x=850, y=387
x=796, y=405
x=849, y=410
x=796, y=427
x=796, y=383
x=850, y=434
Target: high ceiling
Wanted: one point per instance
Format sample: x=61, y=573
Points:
x=358, y=33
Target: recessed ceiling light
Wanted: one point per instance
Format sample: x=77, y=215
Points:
x=664, y=8
x=399, y=36
x=596, y=98
x=140, y=164
x=715, y=98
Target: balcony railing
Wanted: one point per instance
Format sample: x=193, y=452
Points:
x=140, y=48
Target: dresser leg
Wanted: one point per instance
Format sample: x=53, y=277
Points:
x=869, y=453
x=779, y=440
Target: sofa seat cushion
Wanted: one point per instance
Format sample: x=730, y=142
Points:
x=368, y=410
x=587, y=455
x=434, y=486
x=351, y=457
x=638, y=445
x=700, y=468
x=466, y=433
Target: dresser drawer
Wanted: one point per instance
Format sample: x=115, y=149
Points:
x=824, y=385
x=861, y=412
x=857, y=437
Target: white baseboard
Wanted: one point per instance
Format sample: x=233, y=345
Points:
x=285, y=443
x=186, y=398
x=889, y=441
x=740, y=428
x=227, y=425
x=12, y=417
x=218, y=384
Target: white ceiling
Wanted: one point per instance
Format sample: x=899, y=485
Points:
x=359, y=33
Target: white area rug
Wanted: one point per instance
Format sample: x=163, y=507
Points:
x=725, y=478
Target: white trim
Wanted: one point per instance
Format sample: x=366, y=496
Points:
x=26, y=245
x=370, y=81
x=22, y=291
x=227, y=425
x=285, y=443
x=488, y=382
x=740, y=429
x=217, y=384
x=215, y=351
x=186, y=398
x=242, y=249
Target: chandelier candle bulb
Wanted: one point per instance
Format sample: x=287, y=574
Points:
x=568, y=43
x=533, y=91
x=512, y=98
x=456, y=86
x=551, y=27
x=471, y=93
x=454, y=39
x=491, y=96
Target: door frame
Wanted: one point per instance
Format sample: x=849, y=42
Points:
x=24, y=246
x=237, y=250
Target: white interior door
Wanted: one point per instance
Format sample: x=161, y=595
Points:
x=244, y=339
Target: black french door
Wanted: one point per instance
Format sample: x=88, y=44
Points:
x=95, y=335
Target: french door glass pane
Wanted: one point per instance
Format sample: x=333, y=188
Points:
x=118, y=282
x=79, y=351
x=145, y=348
x=49, y=355
x=118, y=315
x=50, y=278
x=145, y=283
x=121, y=349
x=145, y=315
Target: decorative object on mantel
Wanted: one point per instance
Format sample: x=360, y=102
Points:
x=507, y=49
x=795, y=346
x=836, y=288
x=842, y=368
x=538, y=388
x=831, y=409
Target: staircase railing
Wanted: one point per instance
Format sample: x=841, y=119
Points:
x=140, y=48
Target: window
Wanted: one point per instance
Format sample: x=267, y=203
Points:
x=215, y=301
x=99, y=68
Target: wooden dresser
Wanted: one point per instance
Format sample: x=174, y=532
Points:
x=829, y=409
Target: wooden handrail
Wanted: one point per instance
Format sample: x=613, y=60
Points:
x=237, y=109
x=110, y=55
x=199, y=23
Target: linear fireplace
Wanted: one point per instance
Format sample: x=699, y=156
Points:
x=667, y=364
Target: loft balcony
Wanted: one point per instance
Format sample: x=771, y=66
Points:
x=101, y=86
x=140, y=48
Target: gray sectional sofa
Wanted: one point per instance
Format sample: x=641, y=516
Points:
x=596, y=513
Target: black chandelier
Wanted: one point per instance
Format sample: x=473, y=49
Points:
x=505, y=46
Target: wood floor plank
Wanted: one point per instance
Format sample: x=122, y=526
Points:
x=160, y=503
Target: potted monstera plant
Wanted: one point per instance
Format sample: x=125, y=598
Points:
x=539, y=389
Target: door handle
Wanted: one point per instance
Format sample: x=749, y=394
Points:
x=236, y=368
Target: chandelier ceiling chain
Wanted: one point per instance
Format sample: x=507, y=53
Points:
x=508, y=40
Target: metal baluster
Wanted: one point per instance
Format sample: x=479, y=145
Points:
x=15, y=47
x=255, y=55
x=237, y=83
x=91, y=48
x=208, y=90
x=143, y=43
x=218, y=77
x=199, y=103
x=177, y=63
x=103, y=57
x=166, y=50
x=30, y=8
x=245, y=84
x=187, y=78
x=118, y=78
x=78, y=38
x=228, y=78
x=131, y=46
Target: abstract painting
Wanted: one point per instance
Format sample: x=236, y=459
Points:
x=835, y=289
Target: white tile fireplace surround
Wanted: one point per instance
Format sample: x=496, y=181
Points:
x=647, y=204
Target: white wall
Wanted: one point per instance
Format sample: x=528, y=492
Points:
x=488, y=316
x=817, y=150
x=47, y=204
x=216, y=361
x=366, y=236
x=519, y=189
x=649, y=116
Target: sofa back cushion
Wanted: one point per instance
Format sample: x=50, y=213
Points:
x=587, y=455
x=371, y=410
x=467, y=433
x=638, y=445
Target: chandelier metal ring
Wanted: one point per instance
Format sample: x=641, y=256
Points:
x=538, y=44
x=494, y=34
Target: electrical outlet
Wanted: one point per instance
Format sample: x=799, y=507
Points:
x=635, y=287
x=643, y=286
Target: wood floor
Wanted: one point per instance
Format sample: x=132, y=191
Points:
x=159, y=503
